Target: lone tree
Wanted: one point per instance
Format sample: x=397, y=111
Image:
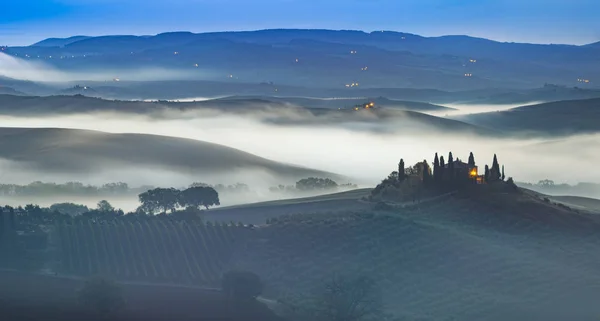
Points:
x=101, y=296
x=198, y=196
x=471, y=160
x=241, y=285
x=159, y=199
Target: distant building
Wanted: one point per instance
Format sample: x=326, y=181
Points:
x=464, y=172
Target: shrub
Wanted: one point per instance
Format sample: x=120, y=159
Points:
x=241, y=285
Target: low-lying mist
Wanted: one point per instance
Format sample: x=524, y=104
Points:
x=39, y=71
x=366, y=152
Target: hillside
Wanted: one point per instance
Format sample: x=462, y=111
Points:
x=325, y=59
x=555, y=118
x=351, y=102
x=277, y=112
x=83, y=153
x=479, y=253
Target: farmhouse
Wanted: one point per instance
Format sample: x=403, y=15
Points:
x=464, y=171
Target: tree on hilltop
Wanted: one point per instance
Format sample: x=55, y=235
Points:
x=495, y=174
x=451, y=164
x=471, y=160
x=401, y=170
x=436, y=167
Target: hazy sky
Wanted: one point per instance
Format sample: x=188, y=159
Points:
x=541, y=21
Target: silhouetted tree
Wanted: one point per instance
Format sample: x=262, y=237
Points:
x=401, y=170
x=495, y=170
x=194, y=197
x=427, y=175
x=442, y=168
x=451, y=165
x=471, y=160
x=69, y=208
x=503, y=176
x=436, y=168
x=105, y=206
x=314, y=183
x=486, y=176
x=159, y=199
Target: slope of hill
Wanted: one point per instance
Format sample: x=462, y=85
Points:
x=84, y=152
x=271, y=112
x=10, y=91
x=556, y=118
x=498, y=255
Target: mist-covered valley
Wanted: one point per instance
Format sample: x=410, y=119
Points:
x=441, y=178
x=284, y=142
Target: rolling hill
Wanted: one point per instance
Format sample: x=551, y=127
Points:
x=83, y=153
x=495, y=254
x=555, y=118
x=351, y=102
x=277, y=111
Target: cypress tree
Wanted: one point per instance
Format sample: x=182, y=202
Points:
x=401, y=170
x=471, y=160
x=451, y=165
x=436, y=168
x=503, y=177
x=495, y=170
x=486, y=176
x=442, y=168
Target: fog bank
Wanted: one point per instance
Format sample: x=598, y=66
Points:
x=365, y=155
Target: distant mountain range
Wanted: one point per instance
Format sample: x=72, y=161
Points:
x=328, y=59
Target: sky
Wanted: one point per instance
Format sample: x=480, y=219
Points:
x=536, y=21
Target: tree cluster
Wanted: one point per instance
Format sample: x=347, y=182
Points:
x=70, y=188
x=161, y=200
